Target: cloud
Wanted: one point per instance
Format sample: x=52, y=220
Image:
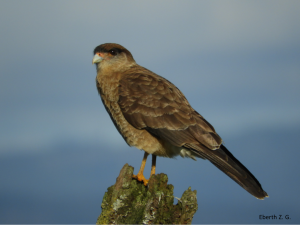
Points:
x=204, y=25
x=238, y=56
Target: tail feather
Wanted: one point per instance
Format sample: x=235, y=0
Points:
x=226, y=162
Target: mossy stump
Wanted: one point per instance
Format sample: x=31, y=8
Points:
x=130, y=202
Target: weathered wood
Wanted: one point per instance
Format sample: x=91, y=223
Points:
x=130, y=202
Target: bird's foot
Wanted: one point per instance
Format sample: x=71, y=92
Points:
x=140, y=177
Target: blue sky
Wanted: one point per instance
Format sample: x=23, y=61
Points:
x=237, y=62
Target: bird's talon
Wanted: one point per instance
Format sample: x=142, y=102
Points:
x=141, y=178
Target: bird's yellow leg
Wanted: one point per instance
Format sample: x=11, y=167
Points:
x=140, y=175
x=153, y=165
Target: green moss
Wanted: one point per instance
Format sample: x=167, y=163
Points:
x=129, y=201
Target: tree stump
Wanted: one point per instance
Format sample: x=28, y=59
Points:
x=130, y=202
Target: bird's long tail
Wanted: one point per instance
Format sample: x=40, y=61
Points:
x=226, y=162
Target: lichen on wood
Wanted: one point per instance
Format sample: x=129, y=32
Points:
x=130, y=202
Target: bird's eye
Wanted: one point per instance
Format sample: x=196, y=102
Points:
x=113, y=52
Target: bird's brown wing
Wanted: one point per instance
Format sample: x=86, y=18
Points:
x=151, y=102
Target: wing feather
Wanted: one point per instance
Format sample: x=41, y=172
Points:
x=151, y=102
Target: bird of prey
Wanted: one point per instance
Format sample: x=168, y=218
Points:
x=153, y=115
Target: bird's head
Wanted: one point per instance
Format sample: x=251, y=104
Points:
x=112, y=56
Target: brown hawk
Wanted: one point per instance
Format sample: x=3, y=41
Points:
x=153, y=115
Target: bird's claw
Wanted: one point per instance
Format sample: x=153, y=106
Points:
x=140, y=177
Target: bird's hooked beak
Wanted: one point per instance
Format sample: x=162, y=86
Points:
x=97, y=58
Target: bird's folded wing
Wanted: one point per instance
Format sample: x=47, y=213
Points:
x=151, y=102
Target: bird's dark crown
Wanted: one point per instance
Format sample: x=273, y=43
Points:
x=107, y=47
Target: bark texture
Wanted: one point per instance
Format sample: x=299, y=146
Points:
x=130, y=202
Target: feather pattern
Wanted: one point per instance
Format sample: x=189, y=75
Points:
x=151, y=102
